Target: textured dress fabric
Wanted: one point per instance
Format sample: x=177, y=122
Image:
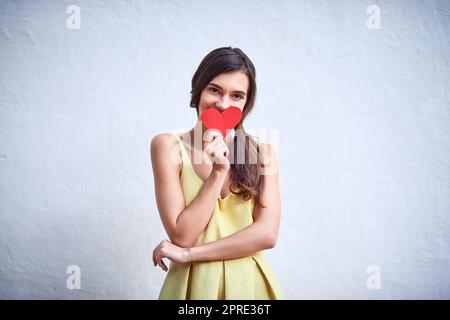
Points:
x=249, y=277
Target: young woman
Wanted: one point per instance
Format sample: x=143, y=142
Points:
x=219, y=212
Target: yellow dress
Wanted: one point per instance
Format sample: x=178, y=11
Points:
x=249, y=277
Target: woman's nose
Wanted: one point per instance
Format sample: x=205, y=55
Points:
x=222, y=105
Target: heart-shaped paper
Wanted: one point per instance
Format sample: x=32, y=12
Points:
x=222, y=121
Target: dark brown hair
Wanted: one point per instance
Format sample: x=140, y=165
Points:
x=246, y=177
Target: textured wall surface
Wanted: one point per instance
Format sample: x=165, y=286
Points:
x=361, y=102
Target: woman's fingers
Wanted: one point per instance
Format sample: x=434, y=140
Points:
x=161, y=264
x=213, y=139
x=155, y=253
x=226, y=151
x=220, y=152
x=159, y=260
x=213, y=143
x=219, y=148
x=158, y=255
x=211, y=135
x=164, y=267
x=213, y=148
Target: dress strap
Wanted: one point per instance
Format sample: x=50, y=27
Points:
x=184, y=155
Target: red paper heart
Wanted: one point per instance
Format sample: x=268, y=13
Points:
x=228, y=119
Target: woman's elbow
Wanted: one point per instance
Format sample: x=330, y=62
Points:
x=182, y=242
x=270, y=240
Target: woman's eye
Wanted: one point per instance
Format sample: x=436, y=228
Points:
x=215, y=90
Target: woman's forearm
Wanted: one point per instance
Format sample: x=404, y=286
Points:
x=195, y=217
x=249, y=240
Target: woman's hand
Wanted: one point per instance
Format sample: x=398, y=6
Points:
x=217, y=151
x=167, y=249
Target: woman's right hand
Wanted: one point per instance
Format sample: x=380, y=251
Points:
x=217, y=151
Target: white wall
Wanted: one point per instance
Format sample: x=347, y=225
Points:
x=364, y=145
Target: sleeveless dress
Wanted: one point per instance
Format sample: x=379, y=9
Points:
x=249, y=277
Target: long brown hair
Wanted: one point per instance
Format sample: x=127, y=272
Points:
x=246, y=177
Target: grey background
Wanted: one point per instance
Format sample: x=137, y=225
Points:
x=364, y=140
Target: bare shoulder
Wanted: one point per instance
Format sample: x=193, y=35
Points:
x=163, y=141
x=269, y=158
x=165, y=146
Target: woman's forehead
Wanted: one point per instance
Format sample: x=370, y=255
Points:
x=234, y=81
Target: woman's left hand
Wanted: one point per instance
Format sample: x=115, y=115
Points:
x=167, y=249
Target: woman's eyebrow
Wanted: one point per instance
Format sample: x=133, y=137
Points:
x=216, y=85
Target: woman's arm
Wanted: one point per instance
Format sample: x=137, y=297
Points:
x=183, y=223
x=261, y=234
